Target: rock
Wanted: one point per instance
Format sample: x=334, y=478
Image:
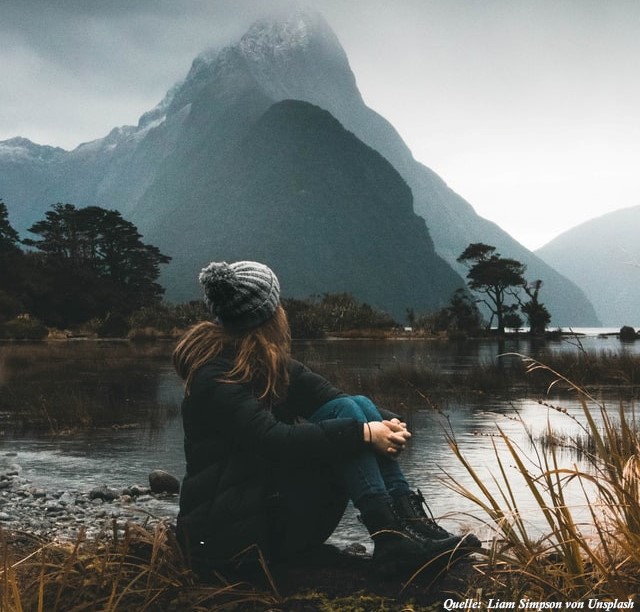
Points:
x=355, y=548
x=62, y=514
x=136, y=490
x=627, y=333
x=163, y=482
x=67, y=498
x=104, y=493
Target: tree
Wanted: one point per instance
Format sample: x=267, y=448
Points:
x=537, y=314
x=9, y=238
x=95, y=265
x=461, y=315
x=512, y=318
x=12, y=268
x=493, y=276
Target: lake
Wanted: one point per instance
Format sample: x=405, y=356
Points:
x=148, y=391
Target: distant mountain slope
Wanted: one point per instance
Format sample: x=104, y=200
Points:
x=141, y=170
x=602, y=256
x=307, y=197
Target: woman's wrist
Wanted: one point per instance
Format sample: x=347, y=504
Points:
x=366, y=432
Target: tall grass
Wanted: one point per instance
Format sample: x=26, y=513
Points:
x=76, y=385
x=571, y=559
x=507, y=376
x=142, y=571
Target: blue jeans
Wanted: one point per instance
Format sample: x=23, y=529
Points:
x=367, y=473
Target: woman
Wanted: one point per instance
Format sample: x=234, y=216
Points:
x=274, y=452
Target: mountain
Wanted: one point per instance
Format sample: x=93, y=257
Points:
x=603, y=257
x=26, y=174
x=307, y=197
x=152, y=171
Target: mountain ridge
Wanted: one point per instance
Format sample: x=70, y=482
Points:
x=237, y=83
x=603, y=256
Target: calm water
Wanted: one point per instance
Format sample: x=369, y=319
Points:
x=125, y=456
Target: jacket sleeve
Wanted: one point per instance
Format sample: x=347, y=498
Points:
x=244, y=422
x=308, y=391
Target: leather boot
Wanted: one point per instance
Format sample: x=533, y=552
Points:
x=411, y=508
x=397, y=547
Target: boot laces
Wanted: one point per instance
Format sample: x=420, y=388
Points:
x=420, y=506
x=422, y=509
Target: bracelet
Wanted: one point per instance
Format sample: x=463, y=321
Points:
x=370, y=436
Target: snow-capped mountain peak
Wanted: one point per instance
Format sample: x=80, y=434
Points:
x=272, y=37
x=23, y=148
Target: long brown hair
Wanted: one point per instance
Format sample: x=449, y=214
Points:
x=260, y=356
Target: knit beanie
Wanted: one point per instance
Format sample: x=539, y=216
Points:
x=242, y=295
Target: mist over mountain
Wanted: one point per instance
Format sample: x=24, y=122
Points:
x=603, y=257
x=179, y=176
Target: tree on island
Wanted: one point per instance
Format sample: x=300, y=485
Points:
x=536, y=312
x=90, y=262
x=500, y=279
x=461, y=316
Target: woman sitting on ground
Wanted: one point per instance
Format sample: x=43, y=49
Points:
x=274, y=452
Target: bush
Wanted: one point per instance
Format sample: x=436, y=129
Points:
x=304, y=319
x=628, y=334
x=166, y=317
x=112, y=326
x=23, y=328
x=333, y=312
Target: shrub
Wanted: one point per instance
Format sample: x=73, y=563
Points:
x=23, y=328
x=167, y=317
x=114, y=325
x=628, y=333
x=333, y=312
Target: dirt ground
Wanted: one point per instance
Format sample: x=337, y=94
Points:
x=328, y=581
x=333, y=580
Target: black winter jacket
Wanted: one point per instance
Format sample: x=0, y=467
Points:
x=233, y=446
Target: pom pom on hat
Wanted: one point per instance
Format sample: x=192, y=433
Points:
x=242, y=295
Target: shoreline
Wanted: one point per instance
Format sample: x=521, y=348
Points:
x=61, y=515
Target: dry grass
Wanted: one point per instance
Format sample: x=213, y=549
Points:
x=142, y=571
x=569, y=561
x=61, y=386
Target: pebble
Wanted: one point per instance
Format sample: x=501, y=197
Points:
x=61, y=515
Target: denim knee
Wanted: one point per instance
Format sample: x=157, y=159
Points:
x=341, y=407
x=369, y=409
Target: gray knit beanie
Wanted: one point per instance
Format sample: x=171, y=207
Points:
x=242, y=295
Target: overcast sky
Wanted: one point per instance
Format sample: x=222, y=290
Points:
x=529, y=109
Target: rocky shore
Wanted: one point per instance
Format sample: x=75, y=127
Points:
x=61, y=514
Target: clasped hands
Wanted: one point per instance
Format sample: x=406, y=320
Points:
x=388, y=437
